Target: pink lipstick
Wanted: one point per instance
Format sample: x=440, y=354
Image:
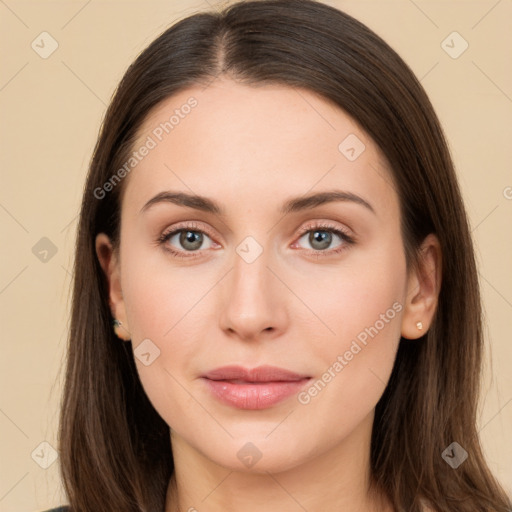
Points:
x=256, y=388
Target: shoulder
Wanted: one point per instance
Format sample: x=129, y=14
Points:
x=63, y=508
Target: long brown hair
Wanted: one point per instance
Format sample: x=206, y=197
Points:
x=115, y=448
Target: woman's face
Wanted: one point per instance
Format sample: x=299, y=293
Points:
x=278, y=275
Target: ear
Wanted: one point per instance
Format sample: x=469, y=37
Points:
x=423, y=286
x=109, y=261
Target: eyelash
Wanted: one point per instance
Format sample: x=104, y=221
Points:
x=347, y=240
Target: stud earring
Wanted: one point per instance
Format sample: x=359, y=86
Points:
x=419, y=325
x=120, y=334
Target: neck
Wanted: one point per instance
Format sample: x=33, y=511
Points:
x=338, y=478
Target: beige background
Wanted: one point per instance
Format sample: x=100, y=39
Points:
x=51, y=110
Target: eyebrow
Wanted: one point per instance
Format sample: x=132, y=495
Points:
x=291, y=206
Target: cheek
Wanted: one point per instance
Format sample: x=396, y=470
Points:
x=363, y=307
x=361, y=295
x=158, y=294
x=166, y=306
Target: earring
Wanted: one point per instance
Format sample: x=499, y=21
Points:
x=120, y=334
x=419, y=325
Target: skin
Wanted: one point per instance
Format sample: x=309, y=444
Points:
x=251, y=149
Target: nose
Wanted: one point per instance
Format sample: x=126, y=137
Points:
x=253, y=303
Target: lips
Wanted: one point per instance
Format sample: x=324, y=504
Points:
x=255, y=388
x=258, y=374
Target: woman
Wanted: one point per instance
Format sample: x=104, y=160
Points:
x=275, y=304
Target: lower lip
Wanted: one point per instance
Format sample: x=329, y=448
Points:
x=254, y=395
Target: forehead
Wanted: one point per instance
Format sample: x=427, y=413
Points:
x=253, y=144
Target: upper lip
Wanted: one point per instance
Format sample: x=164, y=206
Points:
x=264, y=373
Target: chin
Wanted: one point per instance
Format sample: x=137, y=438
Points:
x=258, y=454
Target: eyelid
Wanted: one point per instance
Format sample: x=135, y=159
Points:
x=187, y=226
x=327, y=225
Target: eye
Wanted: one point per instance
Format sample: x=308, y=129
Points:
x=186, y=239
x=321, y=238
x=189, y=240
